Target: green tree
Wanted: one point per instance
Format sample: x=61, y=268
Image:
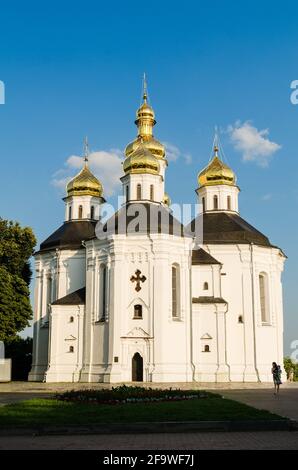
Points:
x=290, y=365
x=20, y=351
x=16, y=248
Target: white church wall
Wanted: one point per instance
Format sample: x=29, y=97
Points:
x=72, y=271
x=204, y=334
x=222, y=192
x=65, y=351
x=200, y=275
x=251, y=346
x=167, y=356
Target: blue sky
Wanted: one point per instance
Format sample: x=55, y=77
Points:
x=74, y=68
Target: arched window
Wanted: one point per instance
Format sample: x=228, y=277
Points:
x=215, y=202
x=205, y=287
x=71, y=349
x=49, y=292
x=71, y=319
x=69, y=213
x=206, y=348
x=229, y=203
x=204, y=204
x=263, y=288
x=92, y=213
x=80, y=212
x=138, y=312
x=240, y=319
x=175, y=291
x=151, y=192
x=102, y=291
x=139, y=191
x=127, y=193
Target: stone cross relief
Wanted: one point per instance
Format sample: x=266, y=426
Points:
x=137, y=278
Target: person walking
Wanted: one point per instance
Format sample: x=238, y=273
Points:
x=276, y=373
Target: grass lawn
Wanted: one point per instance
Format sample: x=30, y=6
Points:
x=54, y=412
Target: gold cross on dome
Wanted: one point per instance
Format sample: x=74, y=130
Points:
x=138, y=279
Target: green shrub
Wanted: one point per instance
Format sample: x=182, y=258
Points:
x=130, y=394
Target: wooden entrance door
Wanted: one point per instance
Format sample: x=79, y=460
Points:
x=137, y=368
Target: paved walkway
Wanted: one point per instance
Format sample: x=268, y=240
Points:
x=284, y=404
x=40, y=387
x=198, y=441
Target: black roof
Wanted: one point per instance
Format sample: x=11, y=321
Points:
x=75, y=298
x=201, y=256
x=208, y=300
x=218, y=228
x=144, y=217
x=223, y=227
x=70, y=235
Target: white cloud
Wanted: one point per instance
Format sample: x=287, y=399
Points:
x=253, y=143
x=173, y=153
x=106, y=165
x=267, y=197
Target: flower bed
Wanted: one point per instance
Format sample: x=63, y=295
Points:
x=128, y=394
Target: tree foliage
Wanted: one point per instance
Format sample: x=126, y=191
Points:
x=20, y=351
x=289, y=366
x=16, y=248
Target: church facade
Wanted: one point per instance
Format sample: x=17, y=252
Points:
x=141, y=297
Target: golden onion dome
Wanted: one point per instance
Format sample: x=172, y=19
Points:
x=216, y=172
x=141, y=161
x=153, y=145
x=84, y=184
x=145, y=111
x=166, y=199
x=145, y=121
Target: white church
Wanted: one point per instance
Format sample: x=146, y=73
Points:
x=140, y=298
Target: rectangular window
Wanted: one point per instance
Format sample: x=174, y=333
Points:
x=49, y=293
x=264, y=298
x=174, y=291
x=102, y=292
x=139, y=191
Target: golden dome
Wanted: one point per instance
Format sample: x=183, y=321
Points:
x=145, y=121
x=153, y=145
x=141, y=161
x=145, y=111
x=216, y=172
x=84, y=184
x=166, y=199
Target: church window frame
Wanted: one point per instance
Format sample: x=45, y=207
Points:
x=139, y=191
x=215, y=202
x=69, y=212
x=80, y=212
x=229, y=203
x=102, y=291
x=176, y=294
x=92, y=212
x=264, y=298
x=205, y=286
x=151, y=192
x=49, y=293
x=138, y=312
x=203, y=204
